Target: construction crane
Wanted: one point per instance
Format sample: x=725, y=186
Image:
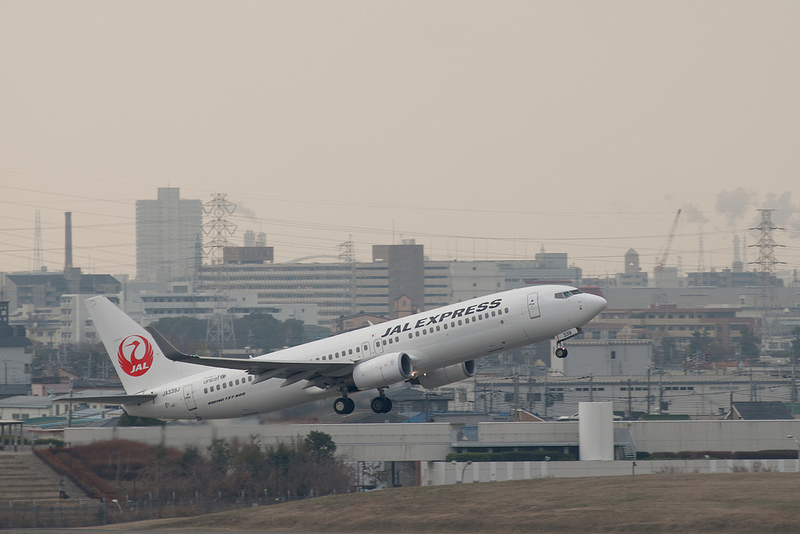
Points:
x=663, y=261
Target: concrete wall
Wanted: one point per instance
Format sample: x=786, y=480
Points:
x=675, y=436
x=660, y=436
x=433, y=441
x=441, y=473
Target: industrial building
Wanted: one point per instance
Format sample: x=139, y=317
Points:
x=15, y=361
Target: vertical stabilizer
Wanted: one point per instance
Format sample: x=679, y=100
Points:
x=140, y=364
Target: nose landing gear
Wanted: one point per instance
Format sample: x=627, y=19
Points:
x=561, y=352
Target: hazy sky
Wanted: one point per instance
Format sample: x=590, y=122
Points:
x=481, y=129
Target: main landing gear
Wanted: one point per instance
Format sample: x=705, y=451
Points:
x=344, y=405
x=380, y=404
x=561, y=352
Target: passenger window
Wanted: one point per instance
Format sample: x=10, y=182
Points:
x=224, y=386
x=217, y=387
x=410, y=335
x=445, y=326
x=391, y=341
x=397, y=338
x=459, y=322
x=205, y=390
x=350, y=351
x=438, y=328
x=453, y=324
x=237, y=381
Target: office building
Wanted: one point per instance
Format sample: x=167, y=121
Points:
x=168, y=231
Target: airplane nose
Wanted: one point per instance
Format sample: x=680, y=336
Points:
x=594, y=304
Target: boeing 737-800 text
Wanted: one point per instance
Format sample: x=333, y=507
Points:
x=431, y=349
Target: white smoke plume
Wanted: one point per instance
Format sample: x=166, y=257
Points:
x=735, y=204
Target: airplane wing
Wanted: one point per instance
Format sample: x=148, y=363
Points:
x=319, y=373
x=111, y=399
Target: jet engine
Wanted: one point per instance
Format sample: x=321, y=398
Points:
x=446, y=375
x=383, y=370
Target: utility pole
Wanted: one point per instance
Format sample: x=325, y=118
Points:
x=648, y=391
x=630, y=400
x=546, y=396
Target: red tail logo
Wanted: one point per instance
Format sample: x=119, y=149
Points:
x=135, y=355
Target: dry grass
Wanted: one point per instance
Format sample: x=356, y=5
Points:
x=735, y=503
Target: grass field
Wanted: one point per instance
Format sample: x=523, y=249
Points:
x=685, y=503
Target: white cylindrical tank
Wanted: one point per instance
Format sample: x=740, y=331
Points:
x=596, y=430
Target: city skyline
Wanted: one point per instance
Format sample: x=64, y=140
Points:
x=481, y=131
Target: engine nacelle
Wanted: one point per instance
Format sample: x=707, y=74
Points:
x=383, y=370
x=446, y=375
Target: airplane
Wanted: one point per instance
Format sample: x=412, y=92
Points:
x=429, y=349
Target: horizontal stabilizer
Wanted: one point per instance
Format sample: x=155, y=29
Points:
x=111, y=399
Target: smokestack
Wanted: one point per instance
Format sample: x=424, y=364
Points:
x=68, y=241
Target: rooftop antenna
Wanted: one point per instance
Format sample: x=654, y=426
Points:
x=347, y=253
x=701, y=264
x=37, y=242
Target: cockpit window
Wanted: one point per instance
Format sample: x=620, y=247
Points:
x=568, y=294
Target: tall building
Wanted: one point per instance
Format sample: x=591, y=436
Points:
x=405, y=272
x=167, y=231
x=633, y=275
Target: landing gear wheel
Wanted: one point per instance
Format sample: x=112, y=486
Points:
x=381, y=405
x=344, y=406
x=561, y=352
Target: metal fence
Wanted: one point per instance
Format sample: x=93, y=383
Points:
x=85, y=513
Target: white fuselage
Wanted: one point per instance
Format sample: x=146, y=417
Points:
x=434, y=339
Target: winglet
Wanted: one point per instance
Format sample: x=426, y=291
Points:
x=167, y=348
